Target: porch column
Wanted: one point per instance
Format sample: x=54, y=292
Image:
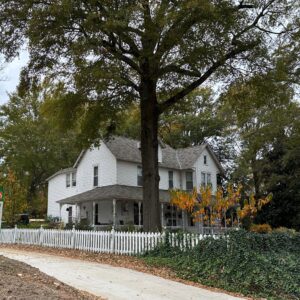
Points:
x=76, y=212
x=140, y=215
x=79, y=212
x=162, y=214
x=93, y=214
x=114, y=212
x=60, y=208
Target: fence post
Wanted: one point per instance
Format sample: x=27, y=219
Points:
x=15, y=234
x=112, y=240
x=41, y=236
x=164, y=236
x=73, y=237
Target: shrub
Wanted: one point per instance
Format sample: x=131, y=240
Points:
x=261, y=265
x=261, y=228
x=285, y=230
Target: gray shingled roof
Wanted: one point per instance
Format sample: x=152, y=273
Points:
x=118, y=192
x=188, y=156
x=62, y=171
x=127, y=149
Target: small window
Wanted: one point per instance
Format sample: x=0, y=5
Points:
x=171, y=182
x=205, y=159
x=68, y=180
x=74, y=179
x=209, y=179
x=189, y=181
x=139, y=176
x=203, y=179
x=96, y=175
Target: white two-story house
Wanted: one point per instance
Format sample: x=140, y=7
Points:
x=104, y=186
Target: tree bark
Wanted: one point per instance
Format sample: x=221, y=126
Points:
x=149, y=151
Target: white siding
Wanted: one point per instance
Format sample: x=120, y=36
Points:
x=210, y=167
x=57, y=190
x=105, y=160
x=127, y=175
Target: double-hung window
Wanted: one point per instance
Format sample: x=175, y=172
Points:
x=203, y=179
x=96, y=176
x=206, y=179
x=68, y=180
x=139, y=176
x=209, y=179
x=171, y=180
x=189, y=181
x=74, y=179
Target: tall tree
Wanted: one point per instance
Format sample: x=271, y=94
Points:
x=111, y=53
x=31, y=146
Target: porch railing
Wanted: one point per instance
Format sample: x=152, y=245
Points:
x=114, y=242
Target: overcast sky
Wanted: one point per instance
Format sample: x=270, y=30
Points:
x=10, y=75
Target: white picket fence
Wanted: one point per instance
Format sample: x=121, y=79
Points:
x=114, y=242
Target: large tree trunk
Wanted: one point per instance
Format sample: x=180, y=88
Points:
x=149, y=147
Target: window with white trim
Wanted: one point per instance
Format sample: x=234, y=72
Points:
x=171, y=179
x=206, y=179
x=68, y=180
x=208, y=182
x=139, y=176
x=205, y=159
x=203, y=179
x=96, y=176
x=74, y=179
x=189, y=180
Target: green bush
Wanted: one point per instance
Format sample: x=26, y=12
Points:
x=261, y=265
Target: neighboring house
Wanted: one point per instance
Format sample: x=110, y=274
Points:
x=104, y=187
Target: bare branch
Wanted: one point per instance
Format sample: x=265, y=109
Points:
x=178, y=70
x=231, y=54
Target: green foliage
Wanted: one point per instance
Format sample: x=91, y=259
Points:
x=15, y=198
x=265, y=119
x=260, y=265
x=32, y=145
x=112, y=54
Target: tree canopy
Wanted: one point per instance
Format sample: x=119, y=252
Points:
x=112, y=53
x=32, y=147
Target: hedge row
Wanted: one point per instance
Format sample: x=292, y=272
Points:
x=261, y=265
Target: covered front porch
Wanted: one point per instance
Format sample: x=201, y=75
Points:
x=120, y=207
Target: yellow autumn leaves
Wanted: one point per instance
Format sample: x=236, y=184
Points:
x=204, y=206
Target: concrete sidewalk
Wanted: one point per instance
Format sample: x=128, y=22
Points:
x=111, y=282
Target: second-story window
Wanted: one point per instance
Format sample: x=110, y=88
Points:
x=139, y=176
x=205, y=159
x=68, y=180
x=74, y=179
x=189, y=181
x=171, y=181
x=203, y=179
x=96, y=175
x=209, y=179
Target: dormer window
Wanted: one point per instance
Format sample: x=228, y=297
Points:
x=68, y=180
x=205, y=159
x=96, y=176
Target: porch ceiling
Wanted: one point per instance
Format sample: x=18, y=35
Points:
x=118, y=192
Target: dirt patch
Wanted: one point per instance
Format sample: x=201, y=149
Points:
x=129, y=262
x=20, y=281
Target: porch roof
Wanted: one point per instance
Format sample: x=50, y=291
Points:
x=118, y=192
